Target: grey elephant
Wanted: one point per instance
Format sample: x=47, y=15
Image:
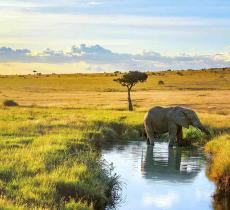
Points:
x=159, y=120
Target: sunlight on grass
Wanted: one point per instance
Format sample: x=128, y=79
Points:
x=46, y=159
x=219, y=170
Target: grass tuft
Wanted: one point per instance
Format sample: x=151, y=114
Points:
x=219, y=169
x=73, y=205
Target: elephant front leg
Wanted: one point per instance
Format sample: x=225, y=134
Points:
x=179, y=135
x=150, y=133
x=172, y=134
x=150, y=141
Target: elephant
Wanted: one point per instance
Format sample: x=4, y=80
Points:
x=159, y=120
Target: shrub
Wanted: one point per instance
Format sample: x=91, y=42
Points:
x=10, y=103
x=132, y=134
x=161, y=82
x=179, y=73
x=109, y=134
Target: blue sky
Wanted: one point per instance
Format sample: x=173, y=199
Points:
x=171, y=28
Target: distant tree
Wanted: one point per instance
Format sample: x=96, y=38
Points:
x=129, y=80
x=161, y=82
x=117, y=72
x=34, y=71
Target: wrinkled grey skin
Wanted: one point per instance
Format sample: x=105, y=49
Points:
x=159, y=120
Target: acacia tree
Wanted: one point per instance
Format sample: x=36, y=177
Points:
x=129, y=80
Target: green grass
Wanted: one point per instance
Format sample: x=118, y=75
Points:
x=50, y=156
x=47, y=157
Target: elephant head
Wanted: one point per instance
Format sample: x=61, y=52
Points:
x=186, y=117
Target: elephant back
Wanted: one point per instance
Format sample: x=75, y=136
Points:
x=155, y=120
x=157, y=113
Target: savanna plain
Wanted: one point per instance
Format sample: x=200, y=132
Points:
x=50, y=143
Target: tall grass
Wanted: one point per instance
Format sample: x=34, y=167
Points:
x=219, y=170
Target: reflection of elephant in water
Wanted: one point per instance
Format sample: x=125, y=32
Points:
x=159, y=120
x=174, y=164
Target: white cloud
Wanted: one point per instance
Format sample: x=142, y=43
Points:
x=164, y=201
x=97, y=55
x=126, y=32
x=94, y=3
x=121, y=25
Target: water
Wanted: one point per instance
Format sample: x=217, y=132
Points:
x=160, y=178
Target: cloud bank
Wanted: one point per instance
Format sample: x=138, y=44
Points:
x=97, y=58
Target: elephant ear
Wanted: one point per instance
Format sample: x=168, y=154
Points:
x=178, y=116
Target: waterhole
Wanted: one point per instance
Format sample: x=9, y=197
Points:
x=158, y=178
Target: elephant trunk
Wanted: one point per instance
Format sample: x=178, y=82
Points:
x=205, y=130
x=198, y=125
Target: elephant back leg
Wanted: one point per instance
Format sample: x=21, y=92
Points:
x=172, y=134
x=179, y=135
x=149, y=131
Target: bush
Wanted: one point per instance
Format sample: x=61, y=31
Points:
x=179, y=73
x=109, y=134
x=161, y=82
x=132, y=134
x=10, y=103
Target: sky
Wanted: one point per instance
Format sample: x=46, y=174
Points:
x=67, y=36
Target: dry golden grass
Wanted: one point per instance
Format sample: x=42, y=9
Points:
x=216, y=101
x=182, y=80
x=204, y=91
x=219, y=170
x=99, y=91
